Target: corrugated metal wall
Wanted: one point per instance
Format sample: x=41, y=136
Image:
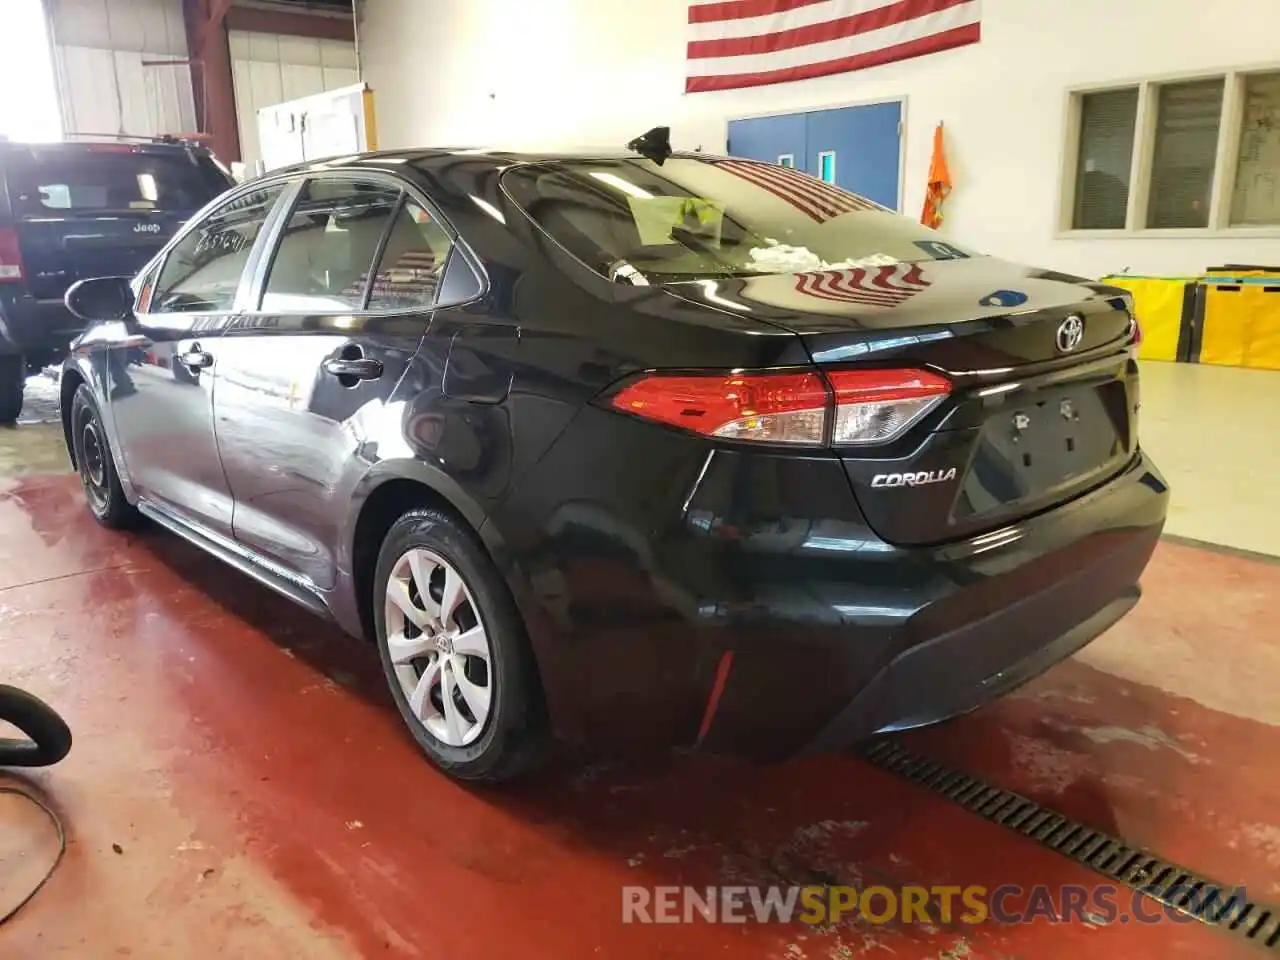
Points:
x=99, y=50
x=268, y=69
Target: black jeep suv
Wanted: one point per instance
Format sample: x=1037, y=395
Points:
x=75, y=210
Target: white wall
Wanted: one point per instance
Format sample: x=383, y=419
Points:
x=460, y=72
x=100, y=48
x=268, y=69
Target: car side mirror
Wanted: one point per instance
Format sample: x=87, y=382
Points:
x=101, y=300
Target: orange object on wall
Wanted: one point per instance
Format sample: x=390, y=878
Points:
x=939, y=185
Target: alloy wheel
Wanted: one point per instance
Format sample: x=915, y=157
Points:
x=439, y=647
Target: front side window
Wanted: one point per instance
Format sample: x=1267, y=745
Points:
x=202, y=272
x=328, y=247
x=708, y=217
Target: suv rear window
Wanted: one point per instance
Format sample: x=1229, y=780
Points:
x=697, y=217
x=61, y=182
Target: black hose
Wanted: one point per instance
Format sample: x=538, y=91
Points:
x=50, y=737
x=49, y=741
x=56, y=822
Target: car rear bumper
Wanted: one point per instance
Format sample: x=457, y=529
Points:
x=1013, y=606
x=41, y=329
x=740, y=603
x=960, y=671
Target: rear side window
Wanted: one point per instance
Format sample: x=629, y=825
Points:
x=63, y=182
x=328, y=248
x=412, y=263
x=202, y=272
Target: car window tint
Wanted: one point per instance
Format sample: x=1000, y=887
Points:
x=203, y=270
x=412, y=263
x=328, y=247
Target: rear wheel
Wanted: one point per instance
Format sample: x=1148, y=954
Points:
x=13, y=381
x=454, y=650
x=98, y=475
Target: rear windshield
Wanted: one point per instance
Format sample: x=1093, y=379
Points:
x=61, y=182
x=712, y=217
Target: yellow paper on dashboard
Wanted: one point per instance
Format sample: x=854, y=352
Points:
x=656, y=217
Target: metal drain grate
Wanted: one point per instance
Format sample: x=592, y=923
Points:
x=1208, y=901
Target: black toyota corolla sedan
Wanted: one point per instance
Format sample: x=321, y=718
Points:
x=632, y=450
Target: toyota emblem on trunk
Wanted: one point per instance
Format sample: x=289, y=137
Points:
x=1070, y=333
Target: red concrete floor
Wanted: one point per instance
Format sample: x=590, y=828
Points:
x=240, y=785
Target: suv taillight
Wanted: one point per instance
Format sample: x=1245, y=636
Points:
x=849, y=406
x=10, y=256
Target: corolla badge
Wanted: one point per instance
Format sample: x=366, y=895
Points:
x=920, y=479
x=146, y=228
x=1070, y=333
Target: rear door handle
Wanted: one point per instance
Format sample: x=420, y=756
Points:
x=196, y=359
x=355, y=368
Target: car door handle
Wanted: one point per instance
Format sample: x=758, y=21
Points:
x=196, y=359
x=356, y=368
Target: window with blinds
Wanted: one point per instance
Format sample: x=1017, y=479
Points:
x=1107, y=123
x=1255, y=201
x=1188, y=116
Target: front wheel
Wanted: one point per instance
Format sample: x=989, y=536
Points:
x=97, y=470
x=13, y=382
x=454, y=650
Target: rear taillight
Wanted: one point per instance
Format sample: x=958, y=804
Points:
x=849, y=406
x=10, y=256
x=873, y=406
x=770, y=407
x=1134, y=336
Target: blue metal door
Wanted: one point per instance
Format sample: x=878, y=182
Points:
x=771, y=140
x=858, y=148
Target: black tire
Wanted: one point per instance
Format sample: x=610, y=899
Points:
x=97, y=469
x=13, y=383
x=513, y=739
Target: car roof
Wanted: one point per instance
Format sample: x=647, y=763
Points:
x=392, y=160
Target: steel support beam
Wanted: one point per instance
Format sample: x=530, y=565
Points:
x=211, y=75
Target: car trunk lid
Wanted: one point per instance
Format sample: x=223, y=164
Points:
x=1044, y=392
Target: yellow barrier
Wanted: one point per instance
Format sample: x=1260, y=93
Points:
x=1158, y=306
x=1241, y=326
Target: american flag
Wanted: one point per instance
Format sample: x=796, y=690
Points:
x=748, y=43
x=815, y=199
x=877, y=287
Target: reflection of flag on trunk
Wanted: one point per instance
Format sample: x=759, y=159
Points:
x=817, y=200
x=746, y=43
x=876, y=287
